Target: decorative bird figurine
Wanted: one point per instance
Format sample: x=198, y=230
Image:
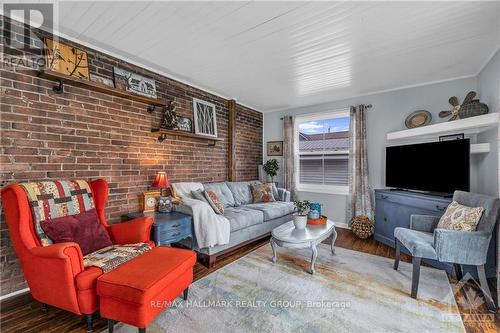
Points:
x=470, y=107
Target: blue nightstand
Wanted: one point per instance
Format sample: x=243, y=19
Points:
x=168, y=228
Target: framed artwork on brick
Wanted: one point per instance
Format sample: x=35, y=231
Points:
x=66, y=59
x=134, y=83
x=205, y=118
x=275, y=148
x=184, y=124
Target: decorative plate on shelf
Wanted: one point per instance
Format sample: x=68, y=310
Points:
x=418, y=118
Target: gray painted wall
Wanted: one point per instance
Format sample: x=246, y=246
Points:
x=489, y=83
x=489, y=93
x=388, y=114
x=489, y=86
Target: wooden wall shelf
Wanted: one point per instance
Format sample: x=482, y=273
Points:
x=164, y=132
x=99, y=87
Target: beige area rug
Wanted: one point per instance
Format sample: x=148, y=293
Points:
x=350, y=292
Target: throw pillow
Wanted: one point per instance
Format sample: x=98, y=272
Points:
x=199, y=195
x=83, y=229
x=459, y=217
x=262, y=192
x=214, y=201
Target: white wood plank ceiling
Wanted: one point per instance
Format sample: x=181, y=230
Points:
x=275, y=55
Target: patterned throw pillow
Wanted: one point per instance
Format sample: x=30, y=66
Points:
x=262, y=192
x=460, y=218
x=214, y=201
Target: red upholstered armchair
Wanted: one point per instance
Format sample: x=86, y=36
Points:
x=55, y=274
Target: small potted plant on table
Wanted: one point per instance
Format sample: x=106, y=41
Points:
x=300, y=218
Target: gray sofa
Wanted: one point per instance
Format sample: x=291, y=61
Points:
x=248, y=221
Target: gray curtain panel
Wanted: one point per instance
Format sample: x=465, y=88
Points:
x=288, y=155
x=360, y=198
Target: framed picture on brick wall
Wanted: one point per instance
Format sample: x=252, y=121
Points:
x=135, y=83
x=66, y=59
x=204, y=116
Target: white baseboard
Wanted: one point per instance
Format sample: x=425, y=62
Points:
x=342, y=225
x=15, y=293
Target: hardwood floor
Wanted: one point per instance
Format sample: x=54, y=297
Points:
x=23, y=314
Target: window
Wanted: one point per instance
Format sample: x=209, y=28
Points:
x=322, y=152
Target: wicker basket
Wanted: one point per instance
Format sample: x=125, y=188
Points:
x=362, y=226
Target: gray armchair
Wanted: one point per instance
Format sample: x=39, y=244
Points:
x=423, y=240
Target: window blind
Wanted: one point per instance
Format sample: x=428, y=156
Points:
x=326, y=169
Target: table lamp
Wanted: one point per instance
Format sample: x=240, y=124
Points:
x=161, y=182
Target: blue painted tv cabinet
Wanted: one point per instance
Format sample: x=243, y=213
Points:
x=393, y=209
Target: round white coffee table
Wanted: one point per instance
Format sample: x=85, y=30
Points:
x=287, y=236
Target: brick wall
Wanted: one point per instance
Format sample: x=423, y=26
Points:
x=248, y=135
x=85, y=134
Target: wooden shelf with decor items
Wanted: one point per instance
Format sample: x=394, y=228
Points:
x=99, y=87
x=164, y=132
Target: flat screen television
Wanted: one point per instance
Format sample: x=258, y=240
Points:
x=440, y=167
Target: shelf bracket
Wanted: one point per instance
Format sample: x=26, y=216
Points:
x=59, y=89
x=151, y=108
x=211, y=143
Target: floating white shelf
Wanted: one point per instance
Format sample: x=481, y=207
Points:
x=469, y=126
x=479, y=148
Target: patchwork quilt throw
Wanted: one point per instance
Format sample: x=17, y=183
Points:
x=110, y=257
x=51, y=199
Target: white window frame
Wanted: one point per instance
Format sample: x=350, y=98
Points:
x=316, y=188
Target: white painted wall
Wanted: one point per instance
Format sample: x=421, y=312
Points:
x=388, y=114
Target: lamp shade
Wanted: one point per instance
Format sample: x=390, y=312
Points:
x=161, y=180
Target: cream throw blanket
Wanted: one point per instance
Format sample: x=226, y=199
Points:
x=210, y=229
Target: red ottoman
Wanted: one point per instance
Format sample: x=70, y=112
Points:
x=136, y=292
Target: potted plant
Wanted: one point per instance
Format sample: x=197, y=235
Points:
x=271, y=167
x=300, y=218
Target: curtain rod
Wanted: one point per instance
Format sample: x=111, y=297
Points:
x=369, y=106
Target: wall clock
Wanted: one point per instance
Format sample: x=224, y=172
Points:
x=149, y=201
